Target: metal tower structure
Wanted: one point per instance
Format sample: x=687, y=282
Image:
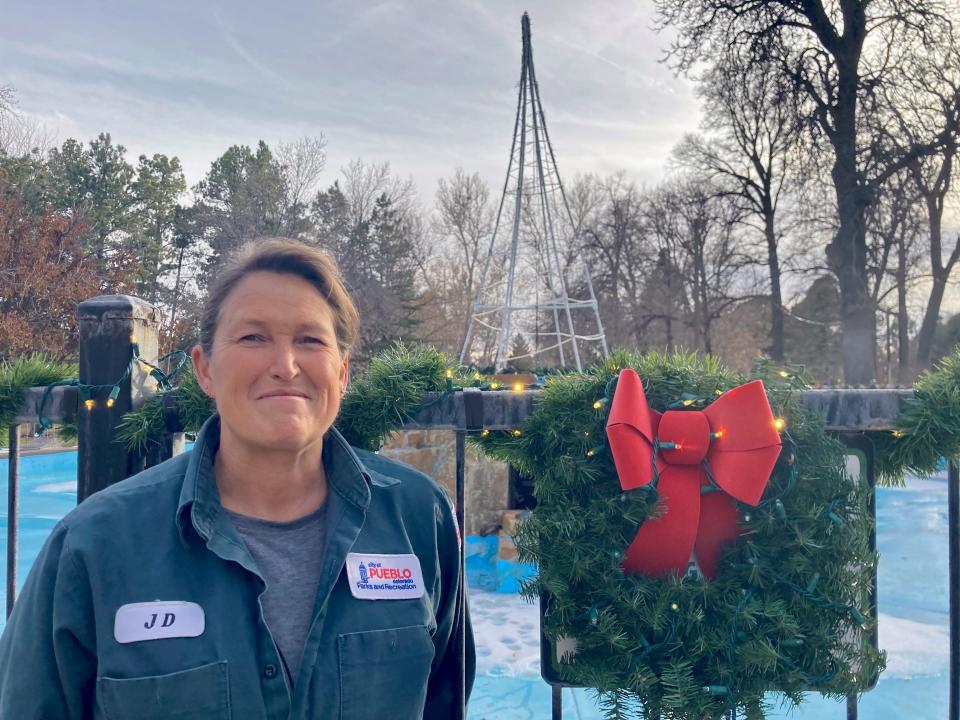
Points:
x=535, y=278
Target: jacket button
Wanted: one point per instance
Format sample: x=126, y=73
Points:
x=270, y=671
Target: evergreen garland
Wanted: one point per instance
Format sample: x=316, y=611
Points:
x=142, y=428
x=24, y=372
x=390, y=393
x=927, y=429
x=377, y=403
x=788, y=598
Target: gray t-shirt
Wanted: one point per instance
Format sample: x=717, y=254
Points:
x=288, y=555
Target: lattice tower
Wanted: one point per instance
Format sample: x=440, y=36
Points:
x=535, y=282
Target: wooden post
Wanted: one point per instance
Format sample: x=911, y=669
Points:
x=108, y=326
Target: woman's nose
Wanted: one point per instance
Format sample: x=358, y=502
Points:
x=283, y=362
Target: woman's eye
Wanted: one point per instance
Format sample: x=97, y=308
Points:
x=251, y=338
x=313, y=340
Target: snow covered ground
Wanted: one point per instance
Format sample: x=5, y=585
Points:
x=913, y=687
x=508, y=640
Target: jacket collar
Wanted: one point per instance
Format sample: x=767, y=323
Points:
x=346, y=475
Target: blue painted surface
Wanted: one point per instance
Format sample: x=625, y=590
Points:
x=488, y=572
x=912, y=537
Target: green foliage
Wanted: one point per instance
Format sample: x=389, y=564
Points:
x=19, y=374
x=376, y=242
x=158, y=185
x=787, y=599
x=142, y=428
x=242, y=197
x=376, y=404
x=928, y=427
x=389, y=393
x=95, y=180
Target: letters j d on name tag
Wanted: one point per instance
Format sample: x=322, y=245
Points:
x=158, y=620
x=384, y=577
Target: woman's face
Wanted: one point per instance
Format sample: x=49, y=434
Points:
x=275, y=370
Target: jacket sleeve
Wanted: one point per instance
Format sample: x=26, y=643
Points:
x=47, y=656
x=453, y=621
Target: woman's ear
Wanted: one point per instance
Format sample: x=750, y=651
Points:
x=344, y=374
x=201, y=366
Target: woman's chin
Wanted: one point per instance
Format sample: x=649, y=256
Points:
x=291, y=435
x=286, y=434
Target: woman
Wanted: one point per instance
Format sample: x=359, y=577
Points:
x=273, y=571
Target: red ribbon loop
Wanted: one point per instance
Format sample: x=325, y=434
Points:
x=735, y=437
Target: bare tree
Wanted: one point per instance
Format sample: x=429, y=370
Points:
x=936, y=113
x=835, y=56
x=695, y=225
x=620, y=258
x=894, y=224
x=460, y=227
x=8, y=98
x=303, y=162
x=751, y=127
x=19, y=135
x=364, y=182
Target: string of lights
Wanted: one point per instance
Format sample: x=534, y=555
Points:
x=90, y=394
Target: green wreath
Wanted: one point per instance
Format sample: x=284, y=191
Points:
x=788, y=610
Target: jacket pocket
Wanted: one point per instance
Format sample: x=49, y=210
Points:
x=384, y=673
x=202, y=693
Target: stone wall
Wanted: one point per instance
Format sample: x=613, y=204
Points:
x=486, y=482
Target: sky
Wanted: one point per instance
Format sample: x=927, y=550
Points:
x=426, y=85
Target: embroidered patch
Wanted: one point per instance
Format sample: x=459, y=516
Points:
x=384, y=577
x=158, y=620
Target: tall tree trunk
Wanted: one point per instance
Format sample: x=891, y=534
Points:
x=776, y=297
x=847, y=253
x=941, y=274
x=931, y=316
x=904, y=372
x=707, y=334
x=705, y=317
x=847, y=257
x=668, y=315
x=176, y=294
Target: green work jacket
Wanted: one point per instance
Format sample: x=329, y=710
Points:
x=161, y=537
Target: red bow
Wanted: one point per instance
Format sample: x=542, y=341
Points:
x=734, y=440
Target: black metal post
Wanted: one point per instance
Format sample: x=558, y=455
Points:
x=13, y=517
x=953, y=514
x=462, y=598
x=852, y=706
x=556, y=695
x=470, y=421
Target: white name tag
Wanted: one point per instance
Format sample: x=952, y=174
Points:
x=157, y=620
x=384, y=577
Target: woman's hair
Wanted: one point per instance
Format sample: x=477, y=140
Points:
x=286, y=257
